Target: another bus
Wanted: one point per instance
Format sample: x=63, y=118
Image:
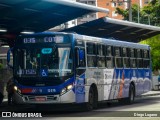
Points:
x=58, y=68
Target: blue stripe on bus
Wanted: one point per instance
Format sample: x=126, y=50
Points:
x=123, y=77
x=80, y=89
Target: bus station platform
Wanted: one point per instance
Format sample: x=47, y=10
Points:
x=151, y=93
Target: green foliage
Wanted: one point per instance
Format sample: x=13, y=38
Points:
x=1, y=66
x=149, y=14
x=154, y=43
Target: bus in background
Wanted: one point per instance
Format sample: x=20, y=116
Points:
x=62, y=68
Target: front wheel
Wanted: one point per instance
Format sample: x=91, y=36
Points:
x=93, y=100
x=1, y=98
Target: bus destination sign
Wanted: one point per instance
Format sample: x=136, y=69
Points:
x=56, y=39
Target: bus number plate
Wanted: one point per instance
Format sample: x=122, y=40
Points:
x=40, y=98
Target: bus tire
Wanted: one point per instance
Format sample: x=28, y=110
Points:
x=1, y=98
x=92, y=99
x=131, y=97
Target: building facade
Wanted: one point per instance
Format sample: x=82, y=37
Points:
x=108, y=4
x=111, y=5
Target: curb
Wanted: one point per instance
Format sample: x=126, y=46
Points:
x=149, y=94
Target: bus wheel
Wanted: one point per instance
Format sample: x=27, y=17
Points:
x=131, y=97
x=1, y=98
x=93, y=99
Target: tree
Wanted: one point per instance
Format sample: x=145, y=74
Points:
x=154, y=43
x=148, y=14
x=125, y=13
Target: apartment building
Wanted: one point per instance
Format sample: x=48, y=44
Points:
x=111, y=5
x=108, y=4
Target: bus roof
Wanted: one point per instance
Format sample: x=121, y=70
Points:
x=112, y=42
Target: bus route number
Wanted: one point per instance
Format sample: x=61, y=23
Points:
x=29, y=40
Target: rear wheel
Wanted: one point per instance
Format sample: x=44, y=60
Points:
x=131, y=97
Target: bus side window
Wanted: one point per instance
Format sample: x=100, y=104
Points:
x=146, y=60
x=118, y=62
x=109, y=57
x=146, y=53
x=126, y=63
x=133, y=63
x=139, y=53
x=118, y=58
x=146, y=63
x=101, y=56
x=91, y=55
x=132, y=53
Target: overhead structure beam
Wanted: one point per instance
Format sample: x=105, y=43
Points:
x=117, y=29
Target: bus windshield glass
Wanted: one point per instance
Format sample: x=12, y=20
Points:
x=43, y=62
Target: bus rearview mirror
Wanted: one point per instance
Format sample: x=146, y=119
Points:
x=9, y=57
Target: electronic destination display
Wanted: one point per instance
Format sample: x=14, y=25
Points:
x=49, y=39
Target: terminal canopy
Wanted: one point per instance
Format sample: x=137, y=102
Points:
x=116, y=29
x=18, y=16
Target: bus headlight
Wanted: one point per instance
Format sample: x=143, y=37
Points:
x=69, y=87
x=15, y=88
x=66, y=89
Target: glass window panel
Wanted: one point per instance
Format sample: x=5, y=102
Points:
x=133, y=63
x=124, y=52
x=91, y=48
x=108, y=51
x=91, y=61
x=126, y=62
x=117, y=51
x=139, y=63
x=110, y=62
x=146, y=63
x=101, y=62
x=118, y=62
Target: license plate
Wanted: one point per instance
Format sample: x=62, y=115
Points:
x=40, y=98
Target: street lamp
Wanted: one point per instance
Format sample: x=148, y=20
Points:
x=130, y=10
x=138, y=8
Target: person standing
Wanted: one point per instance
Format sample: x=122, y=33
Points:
x=1, y=91
x=10, y=90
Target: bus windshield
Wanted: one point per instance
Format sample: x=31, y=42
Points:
x=43, y=62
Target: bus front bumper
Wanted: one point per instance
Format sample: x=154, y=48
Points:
x=68, y=97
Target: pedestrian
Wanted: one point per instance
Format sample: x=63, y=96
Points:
x=10, y=90
x=1, y=92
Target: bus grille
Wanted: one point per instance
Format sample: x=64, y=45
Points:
x=48, y=98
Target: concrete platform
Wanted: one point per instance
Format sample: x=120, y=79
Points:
x=151, y=93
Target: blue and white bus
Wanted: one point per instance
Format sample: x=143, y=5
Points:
x=58, y=68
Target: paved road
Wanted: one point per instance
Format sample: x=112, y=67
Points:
x=146, y=106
